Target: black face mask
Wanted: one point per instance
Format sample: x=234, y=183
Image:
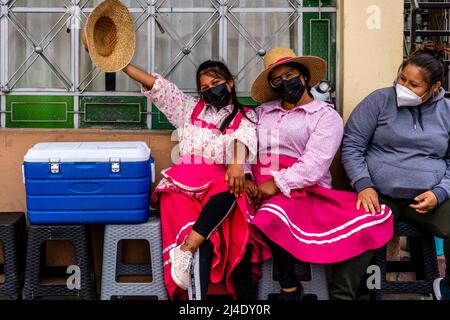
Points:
x=217, y=96
x=291, y=90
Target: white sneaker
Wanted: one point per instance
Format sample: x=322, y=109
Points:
x=181, y=266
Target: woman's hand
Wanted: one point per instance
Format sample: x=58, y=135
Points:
x=235, y=178
x=267, y=190
x=251, y=189
x=369, y=199
x=426, y=202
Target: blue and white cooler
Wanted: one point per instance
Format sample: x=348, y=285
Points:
x=88, y=182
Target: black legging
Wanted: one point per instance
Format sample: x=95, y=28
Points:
x=284, y=263
x=214, y=212
x=211, y=216
x=246, y=288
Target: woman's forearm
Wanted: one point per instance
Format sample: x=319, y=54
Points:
x=240, y=152
x=140, y=75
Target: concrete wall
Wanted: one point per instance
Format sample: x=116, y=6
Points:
x=371, y=48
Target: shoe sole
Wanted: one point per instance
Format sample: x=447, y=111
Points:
x=437, y=288
x=172, y=273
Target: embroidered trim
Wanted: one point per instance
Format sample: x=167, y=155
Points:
x=183, y=186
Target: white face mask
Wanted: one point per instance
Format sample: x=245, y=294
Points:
x=407, y=98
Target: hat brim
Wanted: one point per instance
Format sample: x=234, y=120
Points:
x=262, y=91
x=123, y=51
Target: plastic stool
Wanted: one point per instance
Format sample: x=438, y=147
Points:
x=423, y=261
x=317, y=286
x=79, y=236
x=13, y=232
x=113, y=267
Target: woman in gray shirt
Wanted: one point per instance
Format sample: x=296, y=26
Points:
x=396, y=152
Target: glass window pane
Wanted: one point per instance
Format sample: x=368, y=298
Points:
x=198, y=31
x=128, y=3
x=26, y=68
x=186, y=3
x=41, y=3
x=247, y=34
x=262, y=3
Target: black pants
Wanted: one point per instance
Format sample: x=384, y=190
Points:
x=347, y=275
x=246, y=288
x=285, y=264
x=212, y=215
x=214, y=212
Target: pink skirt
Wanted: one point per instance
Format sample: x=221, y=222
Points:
x=192, y=184
x=320, y=225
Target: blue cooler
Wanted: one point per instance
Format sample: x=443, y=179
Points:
x=88, y=182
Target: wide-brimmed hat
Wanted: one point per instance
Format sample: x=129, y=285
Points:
x=109, y=35
x=262, y=91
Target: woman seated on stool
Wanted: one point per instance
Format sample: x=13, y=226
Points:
x=300, y=215
x=203, y=207
x=396, y=152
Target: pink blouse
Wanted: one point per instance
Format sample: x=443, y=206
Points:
x=195, y=140
x=312, y=133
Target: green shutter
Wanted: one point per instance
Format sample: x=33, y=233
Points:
x=39, y=112
x=320, y=39
x=113, y=112
x=159, y=120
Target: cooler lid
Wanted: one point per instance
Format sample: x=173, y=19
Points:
x=126, y=151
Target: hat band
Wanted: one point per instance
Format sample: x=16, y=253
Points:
x=280, y=60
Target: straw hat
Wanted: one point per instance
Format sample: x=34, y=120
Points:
x=109, y=35
x=261, y=88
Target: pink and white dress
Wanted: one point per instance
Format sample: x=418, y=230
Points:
x=307, y=218
x=199, y=174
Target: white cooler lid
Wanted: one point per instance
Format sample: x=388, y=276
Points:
x=126, y=151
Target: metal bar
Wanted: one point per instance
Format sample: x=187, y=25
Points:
x=412, y=29
x=186, y=10
x=282, y=10
x=38, y=10
x=223, y=54
x=3, y=60
x=430, y=5
x=75, y=64
x=430, y=33
x=62, y=92
x=151, y=41
x=300, y=28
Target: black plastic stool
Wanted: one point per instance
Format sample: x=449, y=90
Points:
x=423, y=262
x=13, y=233
x=79, y=236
